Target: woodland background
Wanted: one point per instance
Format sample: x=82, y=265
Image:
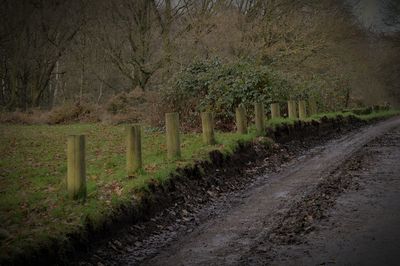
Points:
x=133, y=60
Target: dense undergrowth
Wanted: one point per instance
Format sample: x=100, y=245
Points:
x=34, y=208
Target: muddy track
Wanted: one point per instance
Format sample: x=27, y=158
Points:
x=193, y=195
x=232, y=236
x=223, y=215
x=360, y=226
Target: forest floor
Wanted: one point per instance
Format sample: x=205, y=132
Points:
x=334, y=201
x=35, y=211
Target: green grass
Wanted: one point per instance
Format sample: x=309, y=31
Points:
x=33, y=202
x=366, y=117
x=34, y=207
x=274, y=122
x=381, y=114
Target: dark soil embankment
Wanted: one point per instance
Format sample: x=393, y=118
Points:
x=242, y=234
x=171, y=207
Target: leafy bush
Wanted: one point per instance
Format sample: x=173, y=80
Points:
x=63, y=114
x=123, y=102
x=33, y=116
x=72, y=113
x=136, y=106
x=213, y=85
x=133, y=107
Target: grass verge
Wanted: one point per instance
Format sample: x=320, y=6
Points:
x=34, y=208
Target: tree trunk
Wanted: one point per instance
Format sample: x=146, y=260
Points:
x=56, y=85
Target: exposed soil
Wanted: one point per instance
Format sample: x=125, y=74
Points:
x=240, y=212
x=249, y=227
x=201, y=196
x=362, y=227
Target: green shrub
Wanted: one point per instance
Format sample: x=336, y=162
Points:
x=213, y=85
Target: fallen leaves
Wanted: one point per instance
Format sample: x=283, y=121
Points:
x=110, y=189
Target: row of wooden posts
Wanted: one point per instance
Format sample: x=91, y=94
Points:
x=76, y=170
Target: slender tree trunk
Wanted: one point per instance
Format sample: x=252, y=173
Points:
x=100, y=92
x=81, y=83
x=56, y=85
x=12, y=104
x=166, y=32
x=347, y=100
x=2, y=95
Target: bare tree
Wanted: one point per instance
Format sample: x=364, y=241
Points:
x=37, y=37
x=128, y=39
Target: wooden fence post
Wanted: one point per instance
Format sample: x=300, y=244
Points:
x=275, y=110
x=207, y=123
x=312, y=107
x=76, y=169
x=292, y=109
x=259, y=118
x=173, y=141
x=302, y=110
x=241, y=121
x=134, y=149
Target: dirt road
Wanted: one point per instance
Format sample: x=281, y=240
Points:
x=329, y=199
x=363, y=226
x=272, y=217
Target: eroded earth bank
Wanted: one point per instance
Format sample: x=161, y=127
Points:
x=320, y=201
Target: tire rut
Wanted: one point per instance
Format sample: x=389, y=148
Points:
x=231, y=236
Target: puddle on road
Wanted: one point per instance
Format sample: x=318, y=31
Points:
x=281, y=194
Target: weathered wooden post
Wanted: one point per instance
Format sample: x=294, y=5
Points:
x=133, y=149
x=241, y=121
x=312, y=107
x=259, y=118
x=292, y=109
x=173, y=141
x=207, y=123
x=302, y=110
x=76, y=169
x=275, y=110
